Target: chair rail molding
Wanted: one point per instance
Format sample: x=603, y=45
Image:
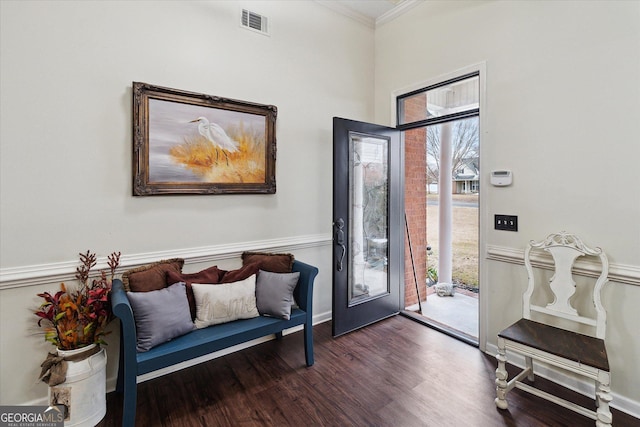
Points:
x=620, y=273
x=33, y=275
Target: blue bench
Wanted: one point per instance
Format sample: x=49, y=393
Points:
x=200, y=342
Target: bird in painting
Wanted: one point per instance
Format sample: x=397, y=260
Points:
x=216, y=135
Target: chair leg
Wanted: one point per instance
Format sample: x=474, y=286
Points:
x=501, y=376
x=603, y=398
x=129, y=400
x=529, y=364
x=120, y=377
x=308, y=343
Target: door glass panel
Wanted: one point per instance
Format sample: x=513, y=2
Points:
x=369, y=213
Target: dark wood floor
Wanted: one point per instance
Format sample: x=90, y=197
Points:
x=393, y=373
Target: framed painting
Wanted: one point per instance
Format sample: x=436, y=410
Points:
x=191, y=143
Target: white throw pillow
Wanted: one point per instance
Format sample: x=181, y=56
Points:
x=224, y=302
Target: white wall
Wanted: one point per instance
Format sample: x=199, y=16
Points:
x=562, y=108
x=65, y=133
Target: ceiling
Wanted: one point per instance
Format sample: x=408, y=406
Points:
x=370, y=12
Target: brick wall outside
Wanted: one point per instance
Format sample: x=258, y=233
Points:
x=415, y=201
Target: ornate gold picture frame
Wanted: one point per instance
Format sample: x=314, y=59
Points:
x=192, y=143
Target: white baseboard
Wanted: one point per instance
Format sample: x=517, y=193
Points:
x=317, y=319
x=111, y=382
x=581, y=386
x=620, y=403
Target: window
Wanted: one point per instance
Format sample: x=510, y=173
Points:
x=450, y=100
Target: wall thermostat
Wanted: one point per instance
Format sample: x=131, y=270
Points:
x=501, y=178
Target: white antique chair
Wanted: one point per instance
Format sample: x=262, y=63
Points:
x=572, y=351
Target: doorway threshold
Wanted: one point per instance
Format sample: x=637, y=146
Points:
x=440, y=327
x=456, y=316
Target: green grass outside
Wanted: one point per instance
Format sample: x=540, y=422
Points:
x=465, y=239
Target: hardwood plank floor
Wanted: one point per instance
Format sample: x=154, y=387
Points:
x=393, y=373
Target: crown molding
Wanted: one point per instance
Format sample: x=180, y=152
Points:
x=402, y=8
x=348, y=12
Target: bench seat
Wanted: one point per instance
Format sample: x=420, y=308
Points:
x=200, y=342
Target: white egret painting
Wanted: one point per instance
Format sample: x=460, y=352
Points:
x=202, y=148
x=193, y=143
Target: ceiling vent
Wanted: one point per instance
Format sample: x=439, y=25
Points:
x=254, y=21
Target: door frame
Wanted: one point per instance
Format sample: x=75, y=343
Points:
x=484, y=222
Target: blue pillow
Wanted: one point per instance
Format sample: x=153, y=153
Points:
x=160, y=315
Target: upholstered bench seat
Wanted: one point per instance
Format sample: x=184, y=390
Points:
x=200, y=342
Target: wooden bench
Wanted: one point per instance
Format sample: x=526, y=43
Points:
x=200, y=342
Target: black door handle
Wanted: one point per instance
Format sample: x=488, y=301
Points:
x=339, y=239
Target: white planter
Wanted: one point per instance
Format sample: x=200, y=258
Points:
x=84, y=391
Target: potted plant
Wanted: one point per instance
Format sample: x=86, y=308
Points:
x=74, y=320
x=432, y=276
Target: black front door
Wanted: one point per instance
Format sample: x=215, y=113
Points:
x=368, y=228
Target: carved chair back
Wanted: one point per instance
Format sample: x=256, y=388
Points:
x=565, y=248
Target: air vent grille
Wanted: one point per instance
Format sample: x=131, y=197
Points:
x=254, y=21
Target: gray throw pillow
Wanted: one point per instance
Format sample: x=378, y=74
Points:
x=160, y=315
x=274, y=293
